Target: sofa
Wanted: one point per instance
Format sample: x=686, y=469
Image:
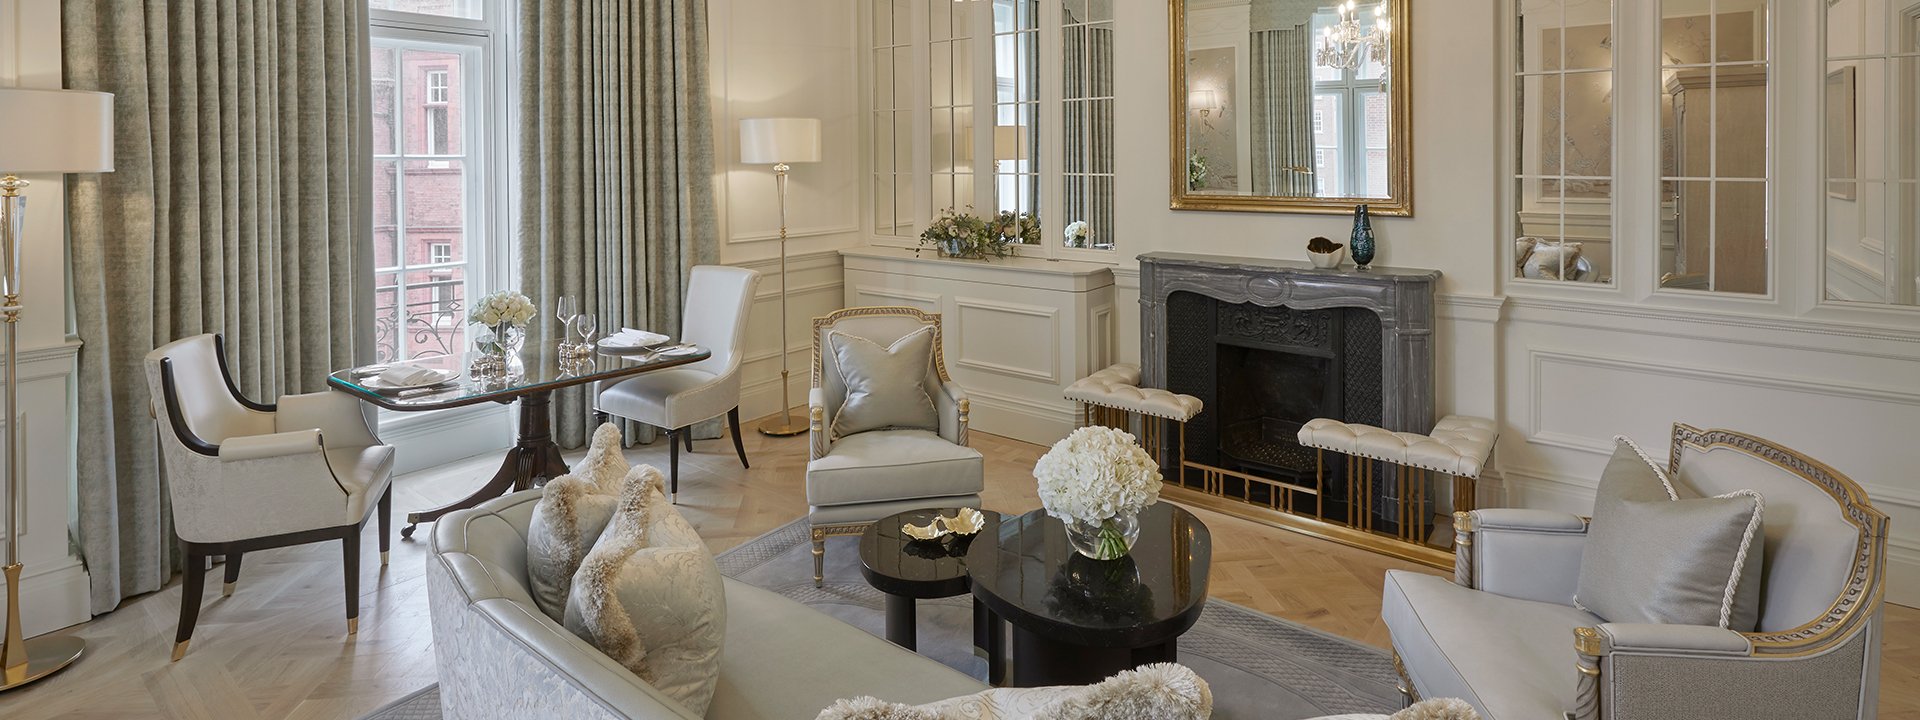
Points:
x=500, y=656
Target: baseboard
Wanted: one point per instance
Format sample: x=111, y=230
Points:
x=52, y=596
x=1903, y=573
x=435, y=439
x=1018, y=418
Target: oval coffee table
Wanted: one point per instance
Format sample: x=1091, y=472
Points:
x=1077, y=620
x=909, y=570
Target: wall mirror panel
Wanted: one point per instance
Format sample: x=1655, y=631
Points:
x=1564, y=120
x=1291, y=106
x=1871, y=108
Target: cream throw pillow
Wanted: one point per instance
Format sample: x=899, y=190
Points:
x=649, y=596
x=569, y=518
x=1653, y=556
x=1162, y=691
x=886, y=387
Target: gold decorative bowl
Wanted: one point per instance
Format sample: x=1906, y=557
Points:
x=933, y=530
x=966, y=522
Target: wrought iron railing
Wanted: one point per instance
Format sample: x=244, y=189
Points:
x=422, y=328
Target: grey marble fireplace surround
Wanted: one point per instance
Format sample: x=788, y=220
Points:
x=1401, y=298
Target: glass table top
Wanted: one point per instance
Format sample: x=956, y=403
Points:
x=541, y=369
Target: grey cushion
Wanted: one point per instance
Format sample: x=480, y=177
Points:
x=566, y=524
x=886, y=386
x=650, y=596
x=1654, y=557
x=1509, y=658
x=885, y=465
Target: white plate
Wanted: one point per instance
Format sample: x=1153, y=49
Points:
x=614, y=343
x=374, y=383
x=679, y=350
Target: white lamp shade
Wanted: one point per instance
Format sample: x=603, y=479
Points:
x=770, y=141
x=55, y=131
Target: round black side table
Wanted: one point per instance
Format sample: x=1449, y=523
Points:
x=1077, y=620
x=908, y=570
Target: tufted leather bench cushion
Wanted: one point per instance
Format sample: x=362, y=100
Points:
x=1458, y=445
x=1116, y=387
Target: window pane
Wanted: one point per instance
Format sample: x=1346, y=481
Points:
x=386, y=317
x=385, y=211
x=435, y=312
x=470, y=9
x=1586, y=128
x=386, y=89
x=1740, y=121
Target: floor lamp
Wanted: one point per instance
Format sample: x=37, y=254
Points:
x=778, y=142
x=41, y=131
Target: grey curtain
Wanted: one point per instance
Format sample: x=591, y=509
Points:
x=1282, y=112
x=616, y=157
x=239, y=203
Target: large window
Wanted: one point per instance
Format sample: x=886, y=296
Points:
x=434, y=152
x=1350, y=121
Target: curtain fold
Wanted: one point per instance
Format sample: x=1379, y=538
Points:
x=1282, y=119
x=239, y=204
x=616, y=160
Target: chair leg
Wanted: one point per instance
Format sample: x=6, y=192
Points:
x=733, y=427
x=601, y=418
x=386, y=524
x=819, y=558
x=233, y=574
x=195, y=570
x=673, y=465
x=350, y=557
x=687, y=437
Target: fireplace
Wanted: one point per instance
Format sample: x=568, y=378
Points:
x=1269, y=345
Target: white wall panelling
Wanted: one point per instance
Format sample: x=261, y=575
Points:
x=815, y=290
x=1016, y=331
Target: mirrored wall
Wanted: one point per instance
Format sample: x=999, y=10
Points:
x=1086, y=114
x=1871, y=115
x=1564, y=182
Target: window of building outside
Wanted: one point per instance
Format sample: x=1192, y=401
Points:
x=433, y=148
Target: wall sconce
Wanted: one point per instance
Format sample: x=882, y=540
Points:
x=1203, y=101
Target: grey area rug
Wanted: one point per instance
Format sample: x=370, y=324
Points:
x=1259, y=666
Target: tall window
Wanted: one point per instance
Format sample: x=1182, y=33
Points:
x=1016, y=105
x=1350, y=121
x=1086, y=99
x=892, y=121
x=433, y=148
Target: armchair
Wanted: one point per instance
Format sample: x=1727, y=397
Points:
x=245, y=476
x=1499, y=635
x=857, y=479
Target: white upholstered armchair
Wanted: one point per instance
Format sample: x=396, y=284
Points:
x=1505, y=635
x=857, y=479
x=245, y=476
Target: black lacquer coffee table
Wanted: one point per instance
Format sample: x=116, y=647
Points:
x=1077, y=620
x=909, y=570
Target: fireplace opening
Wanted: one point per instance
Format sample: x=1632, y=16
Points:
x=1265, y=396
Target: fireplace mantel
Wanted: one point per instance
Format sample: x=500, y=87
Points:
x=1403, y=298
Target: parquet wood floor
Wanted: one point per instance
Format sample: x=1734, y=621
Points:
x=277, y=648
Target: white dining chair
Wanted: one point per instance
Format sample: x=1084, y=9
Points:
x=718, y=300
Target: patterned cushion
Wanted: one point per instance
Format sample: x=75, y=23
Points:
x=1654, y=557
x=1162, y=691
x=650, y=597
x=886, y=387
x=570, y=517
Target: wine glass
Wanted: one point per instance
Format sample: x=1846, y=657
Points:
x=565, y=309
x=586, y=324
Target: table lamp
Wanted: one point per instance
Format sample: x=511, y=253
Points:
x=41, y=131
x=779, y=142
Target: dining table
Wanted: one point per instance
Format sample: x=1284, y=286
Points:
x=530, y=382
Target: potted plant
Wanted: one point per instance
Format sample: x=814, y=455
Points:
x=963, y=235
x=1096, y=481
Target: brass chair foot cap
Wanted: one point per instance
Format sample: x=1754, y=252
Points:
x=383, y=558
x=226, y=589
x=180, y=650
x=353, y=626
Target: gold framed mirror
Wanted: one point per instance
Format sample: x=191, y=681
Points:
x=1286, y=106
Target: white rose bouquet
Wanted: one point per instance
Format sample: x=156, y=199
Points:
x=1093, y=477
x=505, y=306
x=1077, y=234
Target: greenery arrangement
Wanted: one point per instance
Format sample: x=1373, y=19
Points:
x=1196, y=171
x=965, y=235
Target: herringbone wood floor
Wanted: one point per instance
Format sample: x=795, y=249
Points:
x=277, y=648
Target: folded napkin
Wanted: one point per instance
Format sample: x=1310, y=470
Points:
x=629, y=337
x=403, y=374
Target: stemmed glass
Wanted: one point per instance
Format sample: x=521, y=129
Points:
x=565, y=309
x=586, y=324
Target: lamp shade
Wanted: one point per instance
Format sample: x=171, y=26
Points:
x=770, y=141
x=55, y=131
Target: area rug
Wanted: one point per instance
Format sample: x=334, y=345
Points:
x=1259, y=666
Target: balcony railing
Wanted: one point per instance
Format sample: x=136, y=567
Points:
x=421, y=328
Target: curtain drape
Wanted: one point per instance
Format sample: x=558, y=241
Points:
x=1282, y=119
x=616, y=158
x=239, y=204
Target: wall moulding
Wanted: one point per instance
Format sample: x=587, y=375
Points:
x=1805, y=333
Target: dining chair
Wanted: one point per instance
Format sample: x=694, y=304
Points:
x=246, y=476
x=718, y=300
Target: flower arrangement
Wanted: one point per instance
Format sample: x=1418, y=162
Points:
x=1077, y=233
x=965, y=235
x=505, y=306
x=1097, y=480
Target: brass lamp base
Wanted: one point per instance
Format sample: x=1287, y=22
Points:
x=782, y=426
x=45, y=656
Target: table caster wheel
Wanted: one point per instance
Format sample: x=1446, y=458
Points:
x=406, y=533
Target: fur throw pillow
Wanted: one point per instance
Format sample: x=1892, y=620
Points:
x=605, y=465
x=1162, y=691
x=1435, y=709
x=566, y=523
x=650, y=596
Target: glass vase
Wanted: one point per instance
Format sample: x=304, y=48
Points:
x=1107, y=539
x=500, y=344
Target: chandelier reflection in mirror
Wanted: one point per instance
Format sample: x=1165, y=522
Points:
x=1345, y=45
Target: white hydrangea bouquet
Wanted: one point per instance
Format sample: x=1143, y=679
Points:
x=505, y=306
x=1077, y=233
x=1096, y=481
